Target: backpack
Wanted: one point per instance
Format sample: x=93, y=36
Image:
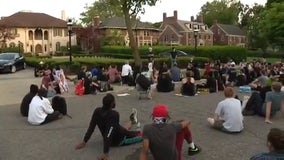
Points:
x=143, y=82
x=79, y=88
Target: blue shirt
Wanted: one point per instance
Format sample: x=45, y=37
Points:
x=268, y=156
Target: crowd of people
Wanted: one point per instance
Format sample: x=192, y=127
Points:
x=164, y=139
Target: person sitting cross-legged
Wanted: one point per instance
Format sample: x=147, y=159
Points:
x=165, y=140
x=228, y=114
x=41, y=111
x=107, y=120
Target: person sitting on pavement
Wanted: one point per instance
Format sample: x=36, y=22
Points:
x=164, y=83
x=41, y=111
x=275, y=144
x=228, y=114
x=113, y=74
x=188, y=87
x=91, y=87
x=126, y=73
x=107, y=119
x=273, y=102
x=175, y=73
x=27, y=100
x=259, y=82
x=165, y=140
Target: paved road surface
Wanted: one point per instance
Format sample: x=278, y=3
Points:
x=56, y=141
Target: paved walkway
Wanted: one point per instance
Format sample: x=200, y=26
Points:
x=56, y=141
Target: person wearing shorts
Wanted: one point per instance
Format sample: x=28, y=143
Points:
x=228, y=114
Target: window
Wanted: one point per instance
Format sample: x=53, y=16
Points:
x=31, y=35
x=209, y=37
x=57, y=32
x=45, y=35
x=166, y=38
x=31, y=48
x=218, y=30
x=45, y=48
x=12, y=45
x=14, y=31
x=57, y=46
x=146, y=33
x=222, y=38
x=65, y=32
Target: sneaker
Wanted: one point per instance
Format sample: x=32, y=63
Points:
x=133, y=116
x=193, y=151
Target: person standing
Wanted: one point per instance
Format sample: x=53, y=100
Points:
x=112, y=132
x=228, y=114
x=173, y=56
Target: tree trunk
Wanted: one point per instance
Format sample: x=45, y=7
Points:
x=132, y=41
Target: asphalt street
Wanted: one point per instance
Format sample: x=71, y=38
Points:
x=56, y=141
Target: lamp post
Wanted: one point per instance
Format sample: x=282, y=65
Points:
x=69, y=25
x=195, y=38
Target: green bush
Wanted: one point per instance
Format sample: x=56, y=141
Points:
x=223, y=53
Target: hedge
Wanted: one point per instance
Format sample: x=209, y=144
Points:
x=90, y=62
x=223, y=53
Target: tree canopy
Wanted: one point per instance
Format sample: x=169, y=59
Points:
x=129, y=9
x=224, y=11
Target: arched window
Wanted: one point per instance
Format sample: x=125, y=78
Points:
x=12, y=45
x=31, y=48
x=38, y=34
x=45, y=35
x=45, y=48
x=30, y=35
x=57, y=46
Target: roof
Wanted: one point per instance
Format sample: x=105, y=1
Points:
x=119, y=22
x=183, y=24
x=30, y=19
x=232, y=29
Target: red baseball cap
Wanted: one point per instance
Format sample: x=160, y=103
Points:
x=160, y=110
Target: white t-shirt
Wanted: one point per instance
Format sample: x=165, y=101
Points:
x=126, y=70
x=230, y=110
x=39, y=109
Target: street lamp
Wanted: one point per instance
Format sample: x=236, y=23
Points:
x=195, y=31
x=69, y=25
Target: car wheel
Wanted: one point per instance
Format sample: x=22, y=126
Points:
x=13, y=69
x=24, y=66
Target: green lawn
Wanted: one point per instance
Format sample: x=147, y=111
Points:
x=269, y=60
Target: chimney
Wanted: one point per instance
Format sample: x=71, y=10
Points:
x=63, y=15
x=192, y=18
x=215, y=22
x=164, y=16
x=197, y=18
x=97, y=21
x=175, y=15
x=201, y=18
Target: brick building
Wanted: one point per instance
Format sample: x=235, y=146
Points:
x=181, y=32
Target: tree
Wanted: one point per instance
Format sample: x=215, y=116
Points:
x=5, y=34
x=272, y=24
x=224, y=11
x=99, y=8
x=269, y=2
x=129, y=9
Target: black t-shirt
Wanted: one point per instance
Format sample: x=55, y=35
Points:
x=108, y=123
x=25, y=105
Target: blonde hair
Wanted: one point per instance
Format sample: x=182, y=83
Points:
x=276, y=86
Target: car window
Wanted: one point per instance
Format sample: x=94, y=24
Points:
x=7, y=56
x=17, y=55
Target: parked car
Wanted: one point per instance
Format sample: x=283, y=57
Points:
x=11, y=62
